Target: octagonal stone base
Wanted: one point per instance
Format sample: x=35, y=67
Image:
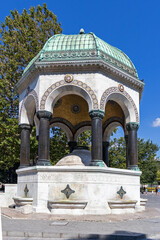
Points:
x=79, y=190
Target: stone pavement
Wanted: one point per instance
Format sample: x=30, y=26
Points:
x=35, y=226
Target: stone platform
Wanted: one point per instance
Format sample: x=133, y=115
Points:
x=79, y=190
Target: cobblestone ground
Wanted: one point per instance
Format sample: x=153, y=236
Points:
x=145, y=225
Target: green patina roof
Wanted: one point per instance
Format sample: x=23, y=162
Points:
x=83, y=46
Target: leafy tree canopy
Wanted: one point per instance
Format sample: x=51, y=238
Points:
x=147, y=161
x=22, y=36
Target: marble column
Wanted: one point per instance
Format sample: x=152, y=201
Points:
x=132, y=128
x=72, y=145
x=25, y=145
x=44, y=138
x=97, y=148
x=105, y=153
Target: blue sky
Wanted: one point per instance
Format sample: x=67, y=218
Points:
x=130, y=25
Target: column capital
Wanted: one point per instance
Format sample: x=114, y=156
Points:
x=44, y=114
x=96, y=114
x=132, y=126
x=25, y=126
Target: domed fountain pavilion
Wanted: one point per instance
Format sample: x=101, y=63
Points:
x=78, y=83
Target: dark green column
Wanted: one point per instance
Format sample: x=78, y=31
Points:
x=132, y=128
x=25, y=145
x=105, y=153
x=126, y=140
x=72, y=145
x=97, y=148
x=43, y=147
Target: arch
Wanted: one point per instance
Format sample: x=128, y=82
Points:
x=109, y=129
x=59, y=89
x=28, y=108
x=80, y=130
x=65, y=128
x=124, y=100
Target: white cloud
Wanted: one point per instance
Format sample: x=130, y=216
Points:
x=156, y=123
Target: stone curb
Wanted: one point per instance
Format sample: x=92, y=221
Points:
x=70, y=236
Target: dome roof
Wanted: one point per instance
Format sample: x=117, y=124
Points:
x=83, y=47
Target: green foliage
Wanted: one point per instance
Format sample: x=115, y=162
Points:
x=147, y=160
x=85, y=139
x=117, y=153
x=158, y=177
x=22, y=36
x=58, y=145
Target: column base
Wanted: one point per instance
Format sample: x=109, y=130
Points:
x=98, y=163
x=43, y=162
x=24, y=166
x=133, y=167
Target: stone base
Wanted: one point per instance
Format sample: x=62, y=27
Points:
x=79, y=190
x=19, y=201
x=120, y=207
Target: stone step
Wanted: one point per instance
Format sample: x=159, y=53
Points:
x=69, y=236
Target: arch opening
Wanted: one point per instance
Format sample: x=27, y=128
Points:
x=67, y=90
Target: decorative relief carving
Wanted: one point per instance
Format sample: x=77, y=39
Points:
x=75, y=108
x=121, y=87
x=111, y=90
x=121, y=192
x=29, y=92
x=84, y=86
x=68, y=191
x=68, y=78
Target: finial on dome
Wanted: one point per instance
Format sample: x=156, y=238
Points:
x=82, y=31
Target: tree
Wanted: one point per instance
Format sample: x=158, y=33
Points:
x=84, y=139
x=58, y=145
x=22, y=36
x=117, y=153
x=158, y=177
x=147, y=161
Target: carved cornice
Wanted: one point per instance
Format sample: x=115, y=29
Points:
x=74, y=66
x=44, y=114
x=96, y=114
x=132, y=126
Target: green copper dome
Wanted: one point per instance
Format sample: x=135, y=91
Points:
x=83, y=47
